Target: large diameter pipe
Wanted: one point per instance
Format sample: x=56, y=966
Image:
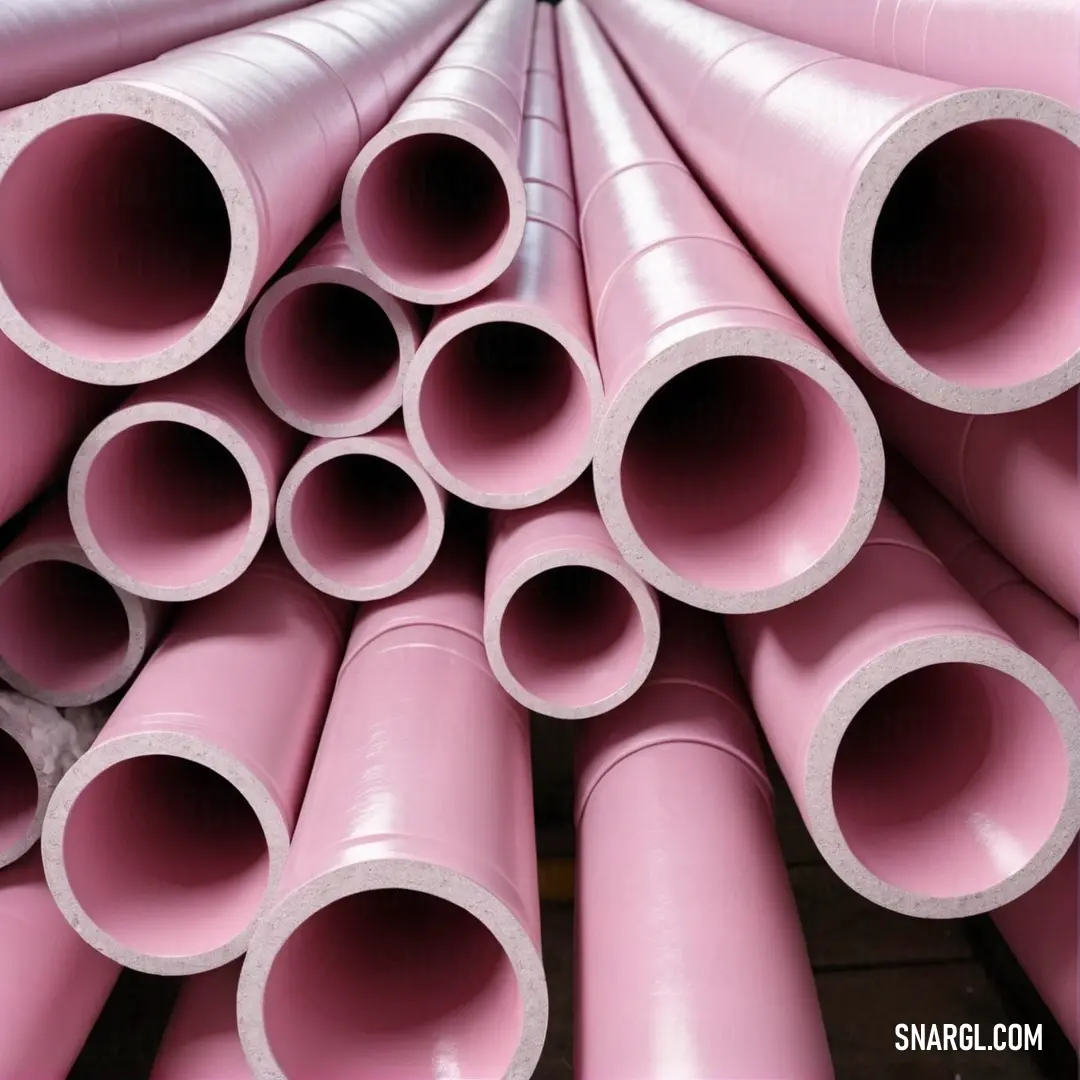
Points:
x=172, y=495
x=737, y=465
x=200, y=172
x=434, y=205
x=52, y=984
x=163, y=844
x=360, y=518
x=504, y=397
x=571, y=631
x=974, y=42
x=405, y=940
x=326, y=347
x=936, y=764
x=1014, y=477
x=38, y=744
x=933, y=230
x=689, y=953
x=67, y=636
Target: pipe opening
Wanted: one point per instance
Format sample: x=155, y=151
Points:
x=975, y=254
x=932, y=780
x=740, y=473
x=572, y=635
x=63, y=628
x=168, y=503
x=116, y=237
x=392, y=982
x=504, y=408
x=18, y=793
x=432, y=211
x=360, y=520
x=330, y=353
x=166, y=856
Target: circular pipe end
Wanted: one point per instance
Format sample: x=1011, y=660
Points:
x=22, y=798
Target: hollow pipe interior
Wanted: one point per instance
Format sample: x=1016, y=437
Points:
x=18, y=793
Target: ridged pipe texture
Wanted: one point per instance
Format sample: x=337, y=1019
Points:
x=172, y=495
x=164, y=843
x=67, y=636
x=571, y=631
x=326, y=347
x=52, y=984
x=1016, y=478
x=360, y=518
x=934, y=230
x=690, y=957
x=200, y=172
x=936, y=764
x=38, y=744
x=737, y=465
x=1030, y=44
x=504, y=397
x=405, y=940
x=48, y=45
x=43, y=418
x=434, y=204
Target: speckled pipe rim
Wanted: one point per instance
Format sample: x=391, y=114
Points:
x=690, y=342
x=448, y=328
x=197, y=131
x=646, y=604
x=420, y=876
x=206, y=422
x=995, y=653
x=159, y=744
x=874, y=185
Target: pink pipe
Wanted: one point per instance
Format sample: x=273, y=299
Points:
x=936, y=764
x=1032, y=45
x=43, y=418
x=50, y=44
x=406, y=934
x=1013, y=477
x=326, y=347
x=38, y=745
x=504, y=397
x=52, y=984
x=933, y=230
x=67, y=636
x=163, y=844
x=690, y=957
x=737, y=466
x=199, y=173
x=570, y=630
x=172, y=495
x=434, y=205
x=359, y=518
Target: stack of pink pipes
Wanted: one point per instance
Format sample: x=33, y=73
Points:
x=379, y=378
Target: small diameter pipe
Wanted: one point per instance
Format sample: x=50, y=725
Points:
x=200, y=172
x=38, y=745
x=359, y=518
x=405, y=940
x=326, y=347
x=164, y=842
x=936, y=765
x=504, y=397
x=67, y=636
x=434, y=205
x=1013, y=477
x=689, y=954
x=571, y=631
x=934, y=231
x=975, y=42
x=52, y=984
x=172, y=495
x=737, y=465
